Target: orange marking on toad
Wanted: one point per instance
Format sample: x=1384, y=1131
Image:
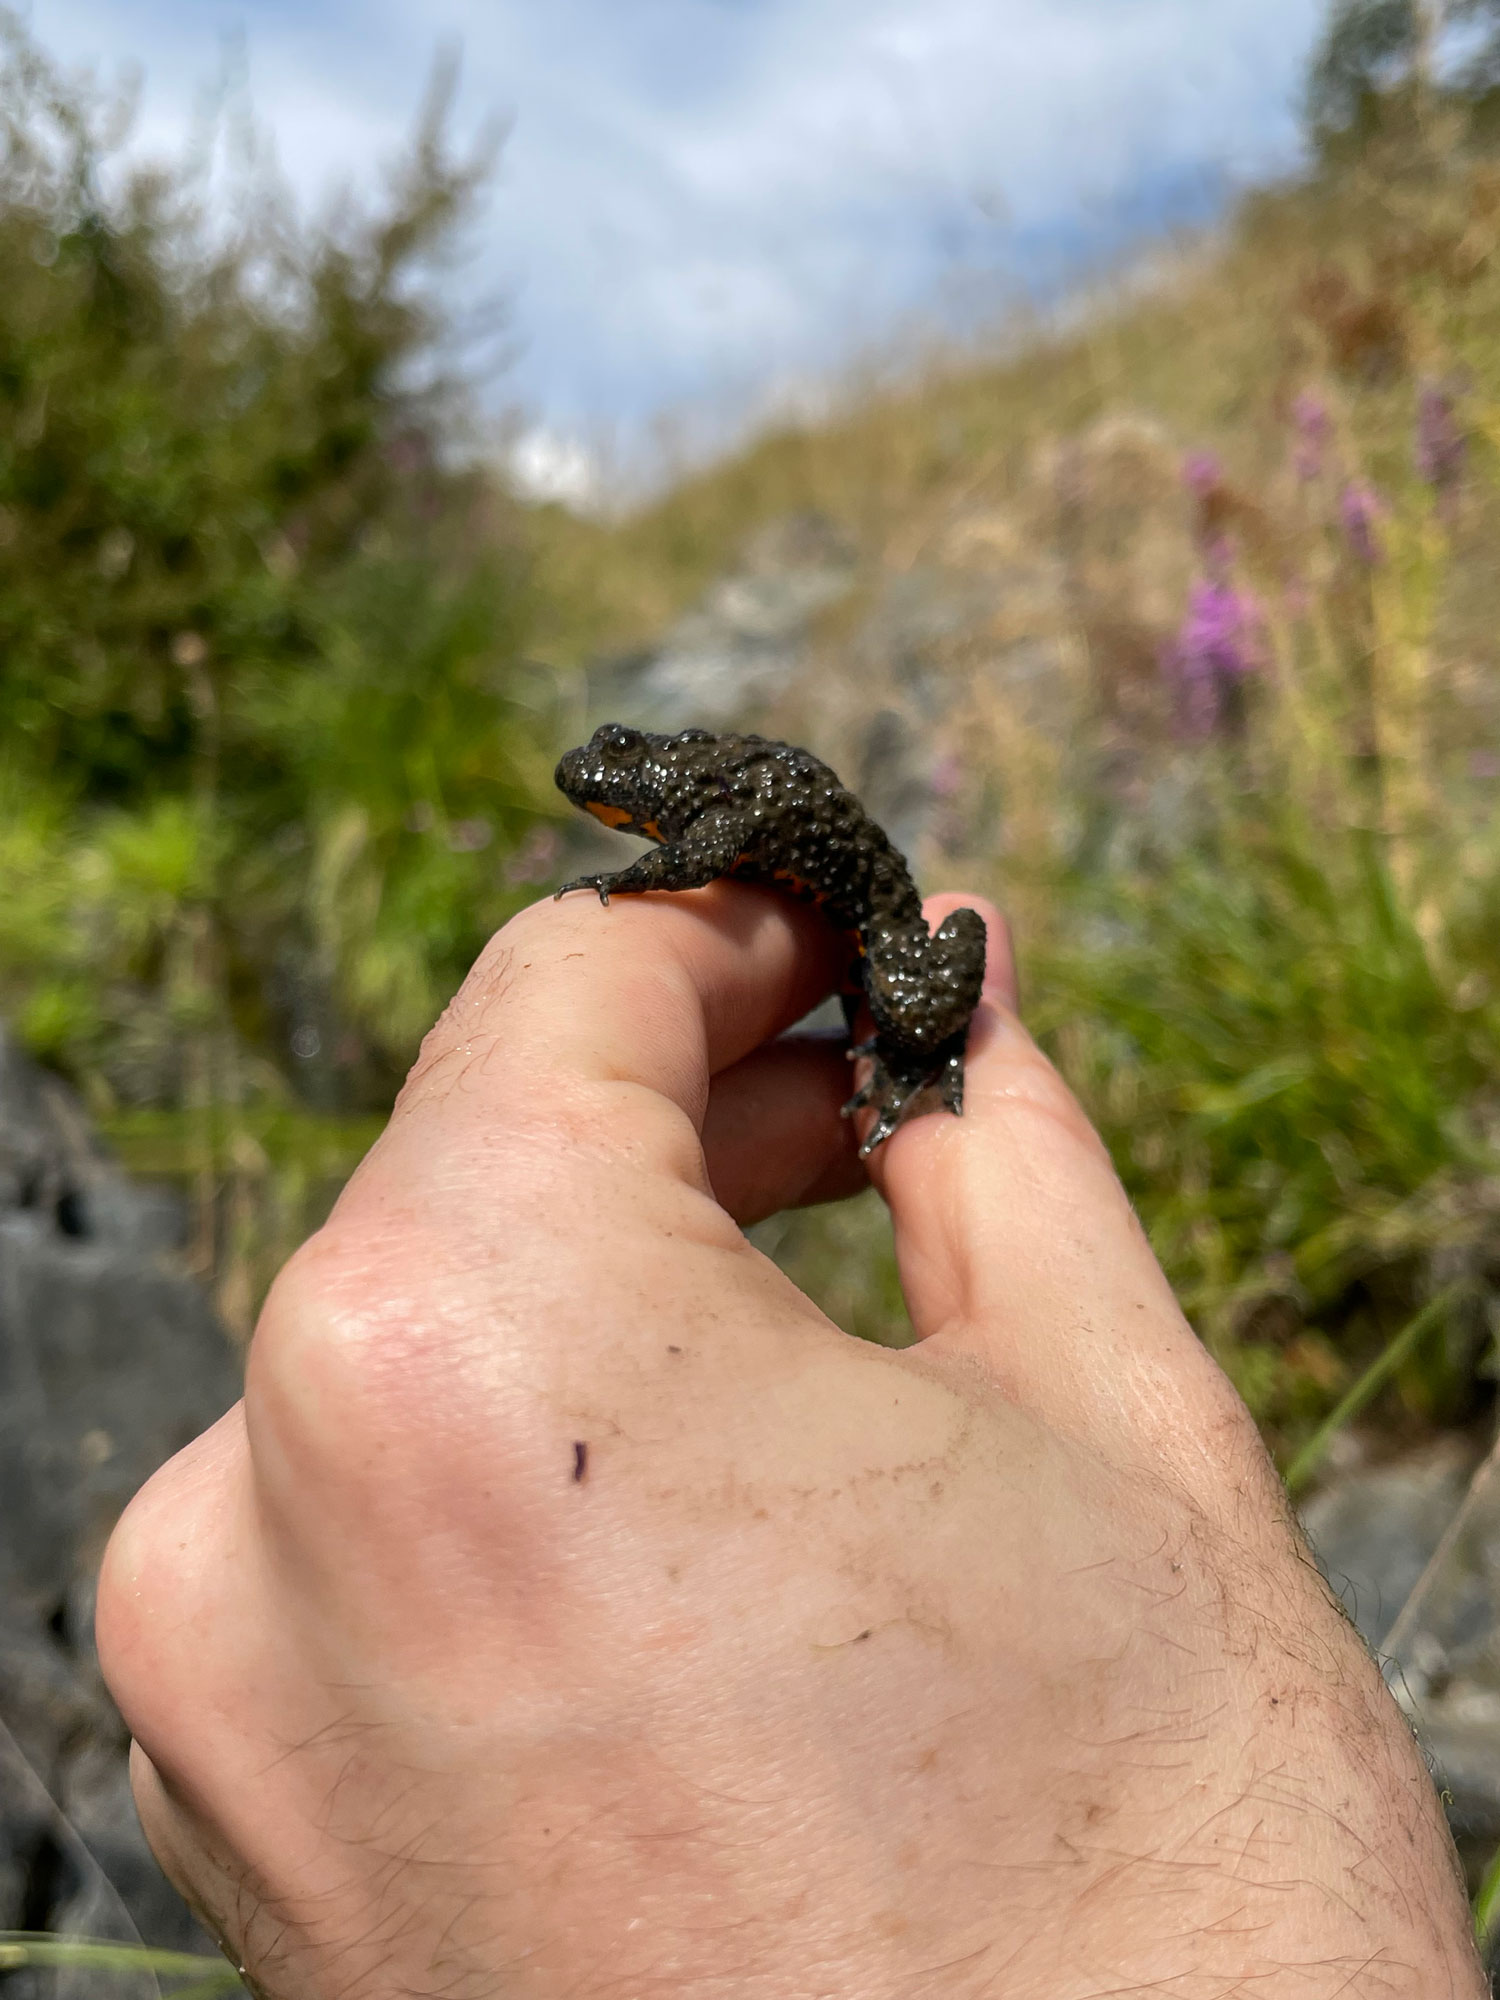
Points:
x=799, y=885
x=611, y=815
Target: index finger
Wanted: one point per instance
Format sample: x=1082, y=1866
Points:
x=540, y=1197
x=575, y=1007
x=497, y=1270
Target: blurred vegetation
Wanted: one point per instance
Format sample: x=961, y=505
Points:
x=1224, y=735
x=267, y=742
x=1207, y=693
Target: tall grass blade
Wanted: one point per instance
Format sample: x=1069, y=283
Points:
x=20, y=1949
x=1380, y=1371
x=1487, y=1904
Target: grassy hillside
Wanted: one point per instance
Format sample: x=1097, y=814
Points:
x=1206, y=677
x=270, y=751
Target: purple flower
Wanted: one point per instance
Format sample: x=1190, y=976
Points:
x=1441, y=446
x=947, y=776
x=1219, y=624
x=1314, y=428
x=536, y=857
x=469, y=836
x=1202, y=473
x=1361, y=510
x=1214, y=650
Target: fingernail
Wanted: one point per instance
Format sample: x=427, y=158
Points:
x=1000, y=1020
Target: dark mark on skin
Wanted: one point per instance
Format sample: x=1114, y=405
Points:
x=837, y=1645
x=674, y=1350
x=580, y=1462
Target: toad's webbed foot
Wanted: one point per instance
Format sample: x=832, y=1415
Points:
x=899, y=1080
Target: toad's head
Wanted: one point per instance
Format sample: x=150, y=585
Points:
x=640, y=783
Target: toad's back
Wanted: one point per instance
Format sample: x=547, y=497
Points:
x=808, y=833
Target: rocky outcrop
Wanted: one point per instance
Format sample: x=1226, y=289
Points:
x=110, y=1361
x=729, y=659
x=890, y=666
x=1411, y=1545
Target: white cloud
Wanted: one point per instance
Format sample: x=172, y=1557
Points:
x=702, y=196
x=548, y=466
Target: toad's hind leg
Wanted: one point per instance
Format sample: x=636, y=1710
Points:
x=951, y=1084
x=900, y=1079
x=923, y=990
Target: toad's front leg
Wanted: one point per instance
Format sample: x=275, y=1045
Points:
x=710, y=848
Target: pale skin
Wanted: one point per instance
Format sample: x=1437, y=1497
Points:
x=992, y=1668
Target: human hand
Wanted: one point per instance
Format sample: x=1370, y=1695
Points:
x=570, y=1609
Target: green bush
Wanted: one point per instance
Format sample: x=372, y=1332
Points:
x=267, y=741
x=1294, y=1060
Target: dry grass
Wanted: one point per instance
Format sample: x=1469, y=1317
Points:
x=1268, y=958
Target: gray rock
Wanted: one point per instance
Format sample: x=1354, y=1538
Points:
x=1429, y=1522
x=744, y=644
x=110, y=1361
x=1373, y=1528
x=932, y=635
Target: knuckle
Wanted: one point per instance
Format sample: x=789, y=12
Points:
x=322, y=1353
x=372, y=1371
x=152, y=1576
x=130, y=1584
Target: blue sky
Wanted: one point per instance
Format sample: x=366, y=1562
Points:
x=705, y=203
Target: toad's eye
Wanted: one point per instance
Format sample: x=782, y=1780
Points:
x=616, y=740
